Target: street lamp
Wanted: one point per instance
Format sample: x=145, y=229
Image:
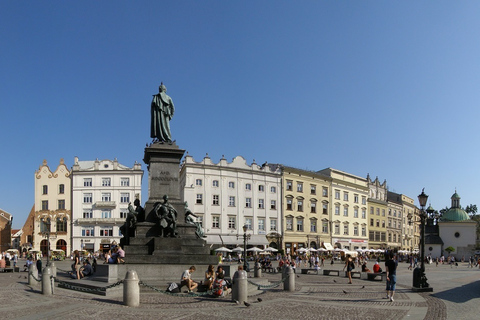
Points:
x=419, y=278
x=245, y=237
x=47, y=223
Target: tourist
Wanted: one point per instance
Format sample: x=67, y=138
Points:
x=220, y=288
x=86, y=270
x=76, y=263
x=364, y=268
x=27, y=265
x=187, y=281
x=391, y=266
x=350, y=265
x=376, y=268
x=209, y=277
x=121, y=255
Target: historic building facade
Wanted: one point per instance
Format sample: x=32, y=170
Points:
x=306, y=209
x=377, y=214
x=348, y=210
x=394, y=220
x=410, y=224
x=52, y=214
x=101, y=192
x=228, y=195
x=5, y=230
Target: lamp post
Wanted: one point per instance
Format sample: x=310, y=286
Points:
x=47, y=223
x=245, y=236
x=419, y=278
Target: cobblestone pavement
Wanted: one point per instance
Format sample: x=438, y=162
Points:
x=456, y=295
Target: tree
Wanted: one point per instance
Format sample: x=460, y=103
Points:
x=450, y=249
x=471, y=209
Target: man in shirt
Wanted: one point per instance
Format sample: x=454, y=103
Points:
x=86, y=270
x=391, y=266
x=186, y=279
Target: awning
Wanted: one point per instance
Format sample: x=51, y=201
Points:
x=328, y=246
x=256, y=240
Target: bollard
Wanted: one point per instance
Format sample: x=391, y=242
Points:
x=47, y=288
x=131, y=289
x=258, y=270
x=289, y=284
x=39, y=267
x=54, y=268
x=32, y=271
x=239, y=287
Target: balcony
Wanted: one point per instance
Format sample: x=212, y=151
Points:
x=105, y=204
x=90, y=221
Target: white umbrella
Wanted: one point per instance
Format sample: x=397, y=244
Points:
x=223, y=249
x=237, y=249
x=271, y=249
x=255, y=249
x=312, y=249
x=322, y=250
x=337, y=250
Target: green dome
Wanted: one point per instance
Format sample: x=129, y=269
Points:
x=455, y=214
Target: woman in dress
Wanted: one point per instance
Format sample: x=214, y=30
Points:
x=349, y=265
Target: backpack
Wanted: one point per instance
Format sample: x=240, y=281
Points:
x=173, y=288
x=218, y=288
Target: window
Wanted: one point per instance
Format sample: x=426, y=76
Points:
x=44, y=189
x=198, y=182
x=88, y=214
x=106, y=182
x=61, y=188
x=378, y=223
x=261, y=204
x=394, y=213
x=337, y=194
x=394, y=224
x=123, y=214
x=313, y=225
x=61, y=204
x=273, y=224
x=371, y=222
x=87, y=198
x=364, y=200
x=337, y=228
x=345, y=229
x=200, y=220
x=231, y=201
x=389, y=237
x=299, y=224
x=199, y=198
x=364, y=231
x=261, y=224
x=273, y=204
x=299, y=187
x=45, y=205
x=355, y=212
x=61, y=224
x=389, y=223
x=313, y=189
x=325, y=192
x=289, y=223
x=383, y=223
x=324, y=226
x=289, y=185
x=87, y=182
x=300, y=205
x=372, y=211
x=261, y=188
x=313, y=207
x=289, y=204
x=273, y=189
x=45, y=225
x=124, y=197
x=231, y=222
x=106, y=214
x=389, y=212
x=125, y=182
x=231, y=185
x=106, y=231
x=355, y=198
x=215, y=222
x=248, y=186
x=325, y=208
x=337, y=210
x=345, y=211
x=248, y=223
x=383, y=212
x=216, y=200
x=378, y=211
x=355, y=230
x=248, y=202
x=106, y=197
x=345, y=196
x=88, y=232
x=215, y=183
x=364, y=213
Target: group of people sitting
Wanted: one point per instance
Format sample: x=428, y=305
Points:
x=376, y=268
x=115, y=255
x=214, y=281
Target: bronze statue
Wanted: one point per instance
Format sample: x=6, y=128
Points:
x=167, y=218
x=139, y=210
x=162, y=110
x=188, y=219
x=128, y=228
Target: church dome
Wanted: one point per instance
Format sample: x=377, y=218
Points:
x=455, y=213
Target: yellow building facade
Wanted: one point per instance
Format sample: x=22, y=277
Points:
x=377, y=214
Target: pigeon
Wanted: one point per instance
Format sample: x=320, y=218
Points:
x=246, y=304
x=344, y=291
x=298, y=276
x=259, y=299
x=237, y=302
x=334, y=280
x=363, y=287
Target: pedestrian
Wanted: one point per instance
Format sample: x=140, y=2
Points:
x=350, y=265
x=391, y=266
x=187, y=281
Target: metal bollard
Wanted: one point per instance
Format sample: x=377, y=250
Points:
x=32, y=271
x=131, y=289
x=239, y=287
x=289, y=284
x=258, y=270
x=54, y=268
x=47, y=288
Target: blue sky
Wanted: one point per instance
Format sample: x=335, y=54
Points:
x=380, y=87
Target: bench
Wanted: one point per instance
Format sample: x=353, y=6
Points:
x=269, y=269
x=305, y=271
x=328, y=272
x=7, y=269
x=374, y=276
x=354, y=274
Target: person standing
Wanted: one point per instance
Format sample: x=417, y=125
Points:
x=350, y=265
x=391, y=266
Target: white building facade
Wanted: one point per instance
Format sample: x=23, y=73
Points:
x=101, y=192
x=226, y=196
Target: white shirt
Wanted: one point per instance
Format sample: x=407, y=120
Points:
x=185, y=274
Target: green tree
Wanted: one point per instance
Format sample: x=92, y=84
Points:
x=450, y=249
x=471, y=209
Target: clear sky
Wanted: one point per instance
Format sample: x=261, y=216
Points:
x=389, y=88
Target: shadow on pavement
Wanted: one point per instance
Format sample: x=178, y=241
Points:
x=460, y=294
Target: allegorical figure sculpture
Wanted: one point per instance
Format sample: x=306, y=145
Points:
x=188, y=219
x=139, y=210
x=128, y=228
x=162, y=112
x=167, y=218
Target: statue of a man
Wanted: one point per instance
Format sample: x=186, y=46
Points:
x=167, y=218
x=189, y=219
x=162, y=112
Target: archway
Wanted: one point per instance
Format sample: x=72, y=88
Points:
x=313, y=245
x=44, y=247
x=273, y=245
x=62, y=245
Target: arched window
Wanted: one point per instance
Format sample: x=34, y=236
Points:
x=44, y=247
x=62, y=245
